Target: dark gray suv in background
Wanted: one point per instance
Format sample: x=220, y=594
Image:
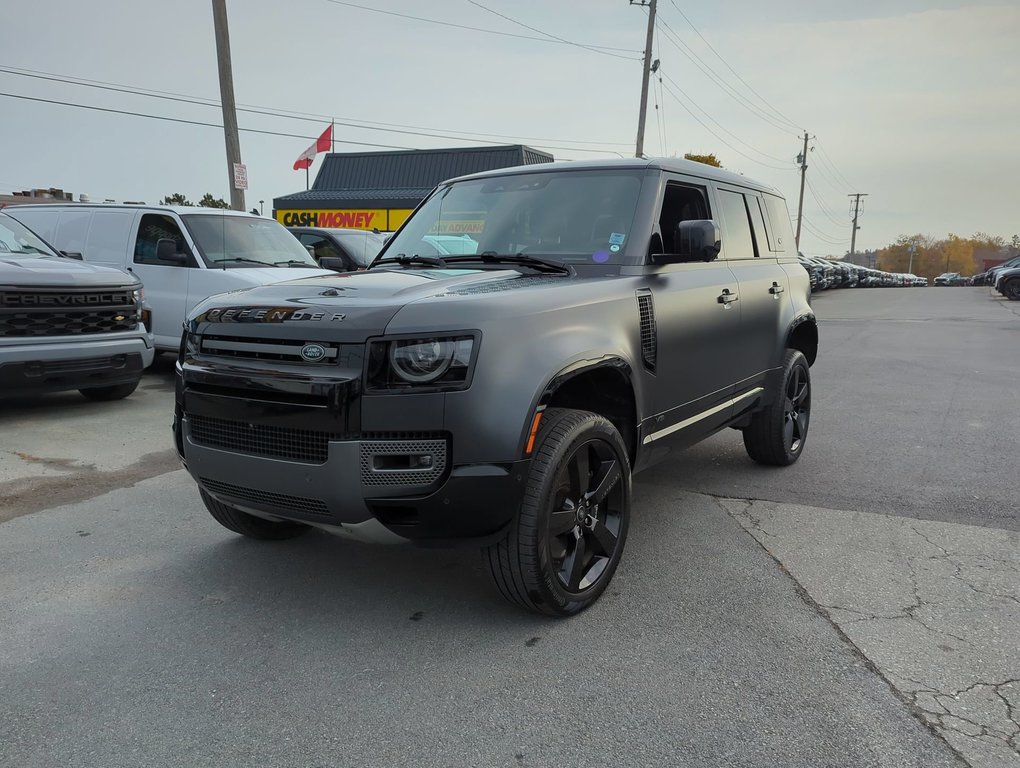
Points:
x=606, y=315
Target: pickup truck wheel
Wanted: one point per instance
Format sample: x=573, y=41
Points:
x=249, y=525
x=776, y=434
x=116, y=392
x=565, y=544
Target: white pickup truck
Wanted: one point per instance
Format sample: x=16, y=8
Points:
x=182, y=255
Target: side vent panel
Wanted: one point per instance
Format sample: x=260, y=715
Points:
x=648, y=336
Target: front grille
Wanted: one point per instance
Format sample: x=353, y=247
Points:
x=67, y=322
x=300, y=504
x=277, y=350
x=371, y=475
x=304, y=445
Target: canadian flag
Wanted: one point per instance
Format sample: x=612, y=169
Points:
x=322, y=144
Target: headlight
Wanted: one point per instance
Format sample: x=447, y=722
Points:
x=436, y=362
x=139, y=294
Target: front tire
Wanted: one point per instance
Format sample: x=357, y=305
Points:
x=776, y=434
x=115, y=392
x=566, y=542
x=1011, y=290
x=249, y=525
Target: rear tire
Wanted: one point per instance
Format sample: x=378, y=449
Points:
x=249, y=525
x=776, y=434
x=566, y=542
x=1011, y=290
x=115, y=392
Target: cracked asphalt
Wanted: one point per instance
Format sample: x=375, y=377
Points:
x=857, y=609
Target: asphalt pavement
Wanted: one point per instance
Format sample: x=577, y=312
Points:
x=819, y=615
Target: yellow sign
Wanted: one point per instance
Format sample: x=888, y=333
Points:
x=361, y=218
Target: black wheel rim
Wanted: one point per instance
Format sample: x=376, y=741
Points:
x=797, y=409
x=586, y=516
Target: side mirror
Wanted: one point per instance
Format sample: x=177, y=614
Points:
x=335, y=263
x=697, y=240
x=166, y=250
x=72, y=255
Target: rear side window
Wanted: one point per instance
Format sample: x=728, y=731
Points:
x=108, y=237
x=737, y=241
x=779, y=218
x=72, y=230
x=153, y=228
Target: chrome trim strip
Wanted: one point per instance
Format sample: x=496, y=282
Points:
x=703, y=415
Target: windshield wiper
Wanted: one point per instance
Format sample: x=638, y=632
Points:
x=242, y=258
x=406, y=261
x=295, y=263
x=535, y=262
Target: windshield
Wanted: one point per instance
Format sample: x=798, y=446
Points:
x=16, y=238
x=580, y=217
x=362, y=246
x=245, y=241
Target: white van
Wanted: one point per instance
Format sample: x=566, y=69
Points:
x=181, y=255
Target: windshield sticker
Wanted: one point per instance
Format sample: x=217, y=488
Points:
x=600, y=257
x=617, y=238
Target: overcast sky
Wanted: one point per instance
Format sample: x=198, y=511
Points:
x=916, y=103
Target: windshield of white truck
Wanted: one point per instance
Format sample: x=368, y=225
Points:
x=17, y=239
x=245, y=241
x=577, y=217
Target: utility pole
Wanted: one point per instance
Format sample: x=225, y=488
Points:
x=646, y=70
x=857, y=210
x=227, y=100
x=800, y=205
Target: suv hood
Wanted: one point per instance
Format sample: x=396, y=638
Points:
x=265, y=275
x=350, y=305
x=56, y=271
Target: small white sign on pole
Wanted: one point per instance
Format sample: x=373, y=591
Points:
x=240, y=176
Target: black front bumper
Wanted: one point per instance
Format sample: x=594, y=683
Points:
x=332, y=463
x=39, y=376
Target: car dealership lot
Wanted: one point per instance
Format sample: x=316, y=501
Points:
x=866, y=594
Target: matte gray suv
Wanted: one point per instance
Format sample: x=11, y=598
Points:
x=594, y=318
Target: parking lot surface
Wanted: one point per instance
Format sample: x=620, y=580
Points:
x=825, y=614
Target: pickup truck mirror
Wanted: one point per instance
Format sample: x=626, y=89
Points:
x=333, y=262
x=72, y=255
x=166, y=250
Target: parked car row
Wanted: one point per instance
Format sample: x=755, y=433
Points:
x=826, y=274
x=1004, y=278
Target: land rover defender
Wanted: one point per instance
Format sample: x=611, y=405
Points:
x=594, y=318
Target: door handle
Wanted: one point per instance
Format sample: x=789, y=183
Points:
x=776, y=289
x=726, y=297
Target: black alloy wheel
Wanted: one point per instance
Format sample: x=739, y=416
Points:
x=777, y=433
x=565, y=544
x=586, y=516
x=1011, y=290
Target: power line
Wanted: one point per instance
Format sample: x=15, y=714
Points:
x=203, y=102
x=715, y=78
x=823, y=236
x=601, y=48
x=721, y=127
x=717, y=136
x=821, y=206
x=592, y=48
x=181, y=120
x=832, y=165
x=731, y=69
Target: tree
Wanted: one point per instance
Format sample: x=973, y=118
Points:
x=176, y=199
x=208, y=201
x=1015, y=242
x=706, y=159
